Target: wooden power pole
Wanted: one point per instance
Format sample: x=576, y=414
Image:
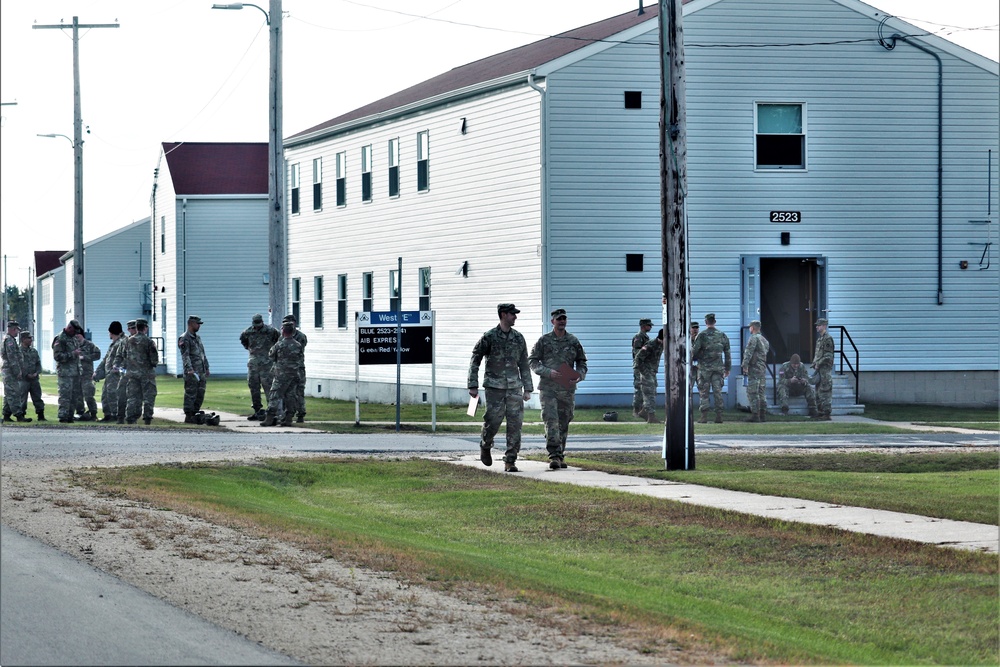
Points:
x=678, y=440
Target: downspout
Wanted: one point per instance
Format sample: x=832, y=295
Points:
x=152, y=246
x=544, y=185
x=184, y=257
x=890, y=45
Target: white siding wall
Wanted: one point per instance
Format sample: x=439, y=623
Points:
x=164, y=262
x=51, y=315
x=482, y=207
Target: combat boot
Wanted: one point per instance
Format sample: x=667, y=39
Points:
x=22, y=418
x=188, y=418
x=301, y=419
x=718, y=417
x=784, y=409
x=254, y=416
x=754, y=417
x=510, y=467
x=268, y=419
x=651, y=418
x=147, y=420
x=41, y=415
x=704, y=418
x=8, y=418
x=763, y=415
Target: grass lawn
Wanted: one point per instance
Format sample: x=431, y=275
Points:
x=759, y=589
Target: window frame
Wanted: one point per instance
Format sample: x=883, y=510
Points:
x=318, y=302
x=367, y=291
x=366, y=173
x=393, y=172
x=296, y=298
x=294, y=183
x=424, y=287
x=342, y=301
x=423, y=160
x=341, y=159
x=802, y=134
x=395, y=291
x=318, y=184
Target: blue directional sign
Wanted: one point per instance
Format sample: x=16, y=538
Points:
x=377, y=337
x=377, y=318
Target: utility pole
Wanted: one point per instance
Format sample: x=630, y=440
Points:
x=678, y=438
x=277, y=232
x=79, y=302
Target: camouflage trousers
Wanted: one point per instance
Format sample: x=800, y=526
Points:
x=710, y=384
x=87, y=393
x=109, y=395
x=282, y=398
x=757, y=393
x=824, y=391
x=648, y=386
x=259, y=381
x=636, y=390
x=33, y=389
x=798, y=389
x=557, y=413
x=69, y=395
x=500, y=404
x=194, y=392
x=300, y=394
x=12, y=398
x=140, y=390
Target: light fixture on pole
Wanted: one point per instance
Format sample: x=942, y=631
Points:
x=79, y=303
x=276, y=231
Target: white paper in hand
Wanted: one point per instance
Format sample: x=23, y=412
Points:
x=473, y=404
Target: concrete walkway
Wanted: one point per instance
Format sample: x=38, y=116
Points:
x=942, y=532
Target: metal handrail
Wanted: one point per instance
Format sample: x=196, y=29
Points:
x=854, y=368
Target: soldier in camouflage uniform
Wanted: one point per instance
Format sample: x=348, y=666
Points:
x=823, y=365
x=711, y=351
x=286, y=360
x=754, y=367
x=638, y=340
x=647, y=364
x=507, y=381
x=195, y=368
x=66, y=352
x=257, y=339
x=141, y=361
x=10, y=354
x=123, y=380
x=86, y=406
x=692, y=335
x=300, y=388
x=31, y=368
x=110, y=370
x=793, y=380
x=560, y=363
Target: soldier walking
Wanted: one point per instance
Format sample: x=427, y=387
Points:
x=66, y=352
x=286, y=359
x=638, y=340
x=560, y=363
x=300, y=388
x=711, y=351
x=823, y=365
x=258, y=339
x=507, y=381
x=647, y=365
x=754, y=368
x=110, y=370
x=10, y=355
x=31, y=368
x=195, y=368
x=142, y=359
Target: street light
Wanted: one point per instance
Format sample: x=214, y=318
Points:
x=276, y=232
x=79, y=302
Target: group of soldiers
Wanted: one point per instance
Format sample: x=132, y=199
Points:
x=21, y=368
x=276, y=369
x=711, y=359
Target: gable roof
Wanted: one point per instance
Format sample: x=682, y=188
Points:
x=520, y=59
x=46, y=260
x=217, y=168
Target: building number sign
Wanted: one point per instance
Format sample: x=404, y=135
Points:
x=786, y=216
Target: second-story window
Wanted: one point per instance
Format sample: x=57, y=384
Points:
x=296, y=298
x=367, y=287
x=423, y=161
x=317, y=184
x=342, y=301
x=318, y=302
x=366, y=173
x=394, y=167
x=342, y=178
x=394, y=290
x=425, y=288
x=295, y=188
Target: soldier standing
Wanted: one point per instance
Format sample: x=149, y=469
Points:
x=560, y=363
x=31, y=368
x=123, y=364
x=638, y=340
x=754, y=367
x=258, y=339
x=195, y=368
x=286, y=359
x=300, y=388
x=823, y=365
x=507, y=382
x=647, y=364
x=793, y=380
x=86, y=406
x=10, y=354
x=141, y=361
x=66, y=352
x=711, y=350
x=110, y=370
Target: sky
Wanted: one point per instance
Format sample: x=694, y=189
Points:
x=177, y=70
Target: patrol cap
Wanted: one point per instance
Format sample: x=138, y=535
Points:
x=710, y=318
x=755, y=324
x=130, y=324
x=820, y=321
x=13, y=323
x=695, y=325
x=287, y=327
x=141, y=323
x=26, y=334
x=76, y=325
x=796, y=359
x=115, y=328
x=558, y=312
x=645, y=321
x=289, y=318
x=507, y=308
x=258, y=319
x=194, y=318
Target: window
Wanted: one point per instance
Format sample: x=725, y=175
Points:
x=342, y=178
x=424, y=280
x=366, y=173
x=318, y=302
x=367, y=286
x=394, y=290
x=163, y=234
x=295, y=188
x=342, y=301
x=317, y=184
x=423, y=155
x=296, y=297
x=394, y=167
x=781, y=139
x=633, y=99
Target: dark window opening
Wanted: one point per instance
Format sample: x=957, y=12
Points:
x=633, y=99
x=393, y=181
x=781, y=150
x=633, y=262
